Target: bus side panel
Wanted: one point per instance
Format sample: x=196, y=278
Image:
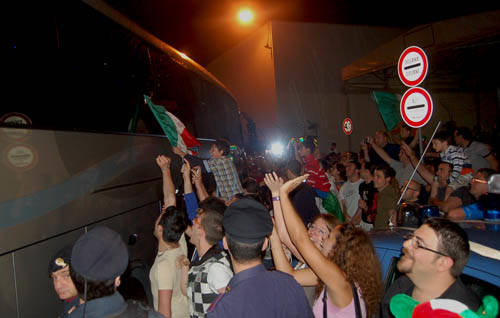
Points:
x=8, y=306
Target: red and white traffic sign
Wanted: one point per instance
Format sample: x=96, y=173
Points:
x=416, y=107
x=347, y=126
x=412, y=66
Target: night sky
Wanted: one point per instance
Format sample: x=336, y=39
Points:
x=63, y=55
x=204, y=29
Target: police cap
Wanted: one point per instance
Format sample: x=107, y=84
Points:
x=247, y=221
x=60, y=260
x=100, y=255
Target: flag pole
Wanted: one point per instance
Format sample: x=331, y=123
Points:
x=418, y=164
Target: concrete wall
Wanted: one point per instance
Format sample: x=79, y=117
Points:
x=298, y=82
x=248, y=71
x=308, y=61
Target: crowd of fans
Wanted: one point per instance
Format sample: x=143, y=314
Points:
x=290, y=238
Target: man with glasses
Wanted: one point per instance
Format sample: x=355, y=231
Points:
x=412, y=194
x=432, y=259
x=479, y=191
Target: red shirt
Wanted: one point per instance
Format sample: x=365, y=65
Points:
x=317, y=176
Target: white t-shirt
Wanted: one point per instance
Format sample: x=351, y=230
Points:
x=349, y=192
x=404, y=173
x=218, y=276
x=477, y=153
x=164, y=275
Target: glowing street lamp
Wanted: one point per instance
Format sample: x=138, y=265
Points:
x=245, y=16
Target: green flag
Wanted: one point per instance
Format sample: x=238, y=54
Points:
x=388, y=106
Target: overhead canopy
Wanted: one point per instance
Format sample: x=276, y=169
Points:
x=442, y=42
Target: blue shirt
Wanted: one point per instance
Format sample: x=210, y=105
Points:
x=256, y=292
x=109, y=306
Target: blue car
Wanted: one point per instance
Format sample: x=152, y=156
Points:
x=481, y=274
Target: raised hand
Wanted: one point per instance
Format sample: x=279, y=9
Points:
x=196, y=173
x=292, y=184
x=186, y=169
x=178, y=151
x=273, y=182
x=407, y=150
x=163, y=162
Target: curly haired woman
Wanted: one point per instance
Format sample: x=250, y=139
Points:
x=337, y=272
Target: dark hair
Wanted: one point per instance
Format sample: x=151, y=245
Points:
x=443, y=135
x=223, y=146
x=370, y=166
x=356, y=163
x=244, y=252
x=213, y=203
x=294, y=166
x=329, y=160
x=452, y=241
x=174, y=223
x=209, y=182
x=309, y=143
x=95, y=289
x=389, y=173
x=341, y=169
x=251, y=185
x=387, y=170
x=486, y=172
x=465, y=132
x=211, y=222
x=450, y=165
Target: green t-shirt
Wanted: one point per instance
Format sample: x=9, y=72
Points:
x=386, y=201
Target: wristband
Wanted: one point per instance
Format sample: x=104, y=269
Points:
x=276, y=198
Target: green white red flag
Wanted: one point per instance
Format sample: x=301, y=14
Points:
x=174, y=129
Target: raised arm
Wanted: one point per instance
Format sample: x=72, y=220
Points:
x=364, y=147
x=189, y=197
x=273, y=182
x=305, y=277
x=338, y=288
x=168, y=185
x=201, y=192
x=186, y=175
x=381, y=152
x=178, y=151
x=422, y=170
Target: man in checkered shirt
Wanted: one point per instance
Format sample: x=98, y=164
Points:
x=209, y=273
x=222, y=167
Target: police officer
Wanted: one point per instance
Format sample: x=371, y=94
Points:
x=253, y=291
x=63, y=284
x=99, y=257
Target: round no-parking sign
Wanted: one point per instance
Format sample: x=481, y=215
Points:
x=416, y=107
x=412, y=66
x=347, y=126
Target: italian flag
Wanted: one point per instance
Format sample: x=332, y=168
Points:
x=174, y=129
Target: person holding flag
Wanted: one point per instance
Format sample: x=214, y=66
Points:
x=174, y=129
x=222, y=167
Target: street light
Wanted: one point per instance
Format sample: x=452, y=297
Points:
x=245, y=16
